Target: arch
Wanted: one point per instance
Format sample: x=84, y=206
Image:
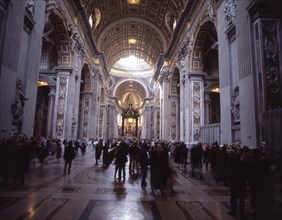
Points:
x=86, y=79
x=58, y=36
x=200, y=44
x=137, y=19
x=128, y=80
x=205, y=59
x=174, y=85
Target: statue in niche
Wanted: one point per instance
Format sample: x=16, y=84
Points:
x=18, y=105
x=235, y=108
x=29, y=5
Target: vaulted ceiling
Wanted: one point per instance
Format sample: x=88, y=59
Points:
x=130, y=92
x=142, y=28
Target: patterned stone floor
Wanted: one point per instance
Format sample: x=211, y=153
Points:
x=90, y=192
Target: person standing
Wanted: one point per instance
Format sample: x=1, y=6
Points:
x=238, y=184
x=120, y=161
x=69, y=155
x=98, y=151
x=144, y=162
x=59, y=151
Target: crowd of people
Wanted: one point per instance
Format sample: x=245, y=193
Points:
x=17, y=152
x=244, y=170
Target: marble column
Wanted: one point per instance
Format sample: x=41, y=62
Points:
x=85, y=112
x=207, y=101
x=50, y=114
x=165, y=104
x=148, y=122
x=267, y=34
x=111, y=121
x=182, y=109
x=95, y=101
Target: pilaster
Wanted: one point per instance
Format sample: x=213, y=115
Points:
x=148, y=124
x=50, y=117
x=197, y=104
x=165, y=104
x=61, y=105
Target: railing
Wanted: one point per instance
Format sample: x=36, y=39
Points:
x=272, y=129
x=210, y=133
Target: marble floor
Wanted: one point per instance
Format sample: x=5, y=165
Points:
x=90, y=192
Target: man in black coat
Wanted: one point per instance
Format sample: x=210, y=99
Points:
x=69, y=155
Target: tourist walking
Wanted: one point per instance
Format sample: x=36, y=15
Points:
x=69, y=155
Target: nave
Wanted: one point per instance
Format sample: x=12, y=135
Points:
x=91, y=192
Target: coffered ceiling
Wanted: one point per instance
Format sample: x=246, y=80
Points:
x=142, y=28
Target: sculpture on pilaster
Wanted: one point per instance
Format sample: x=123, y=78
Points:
x=29, y=5
x=164, y=75
x=235, y=106
x=230, y=12
x=18, y=105
x=186, y=46
x=51, y=4
x=97, y=74
x=211, y=9
x=75, y=40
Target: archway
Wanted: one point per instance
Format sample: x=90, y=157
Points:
x=130, y=95
x=54, y=53
x=205, y=60
x=129, y=126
